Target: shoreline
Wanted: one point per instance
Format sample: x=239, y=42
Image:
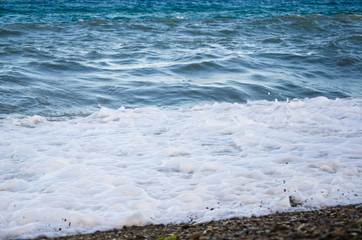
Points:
x=338, y=222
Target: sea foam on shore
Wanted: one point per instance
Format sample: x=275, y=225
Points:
x=161, y=165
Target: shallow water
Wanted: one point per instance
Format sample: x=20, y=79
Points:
x=69, y=59
x=115, y=113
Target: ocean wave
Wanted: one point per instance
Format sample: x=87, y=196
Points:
x=95, y=62
x=230, y=105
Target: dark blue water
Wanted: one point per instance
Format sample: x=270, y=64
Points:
x=68, y=58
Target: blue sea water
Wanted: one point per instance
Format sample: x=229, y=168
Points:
x=68, y=58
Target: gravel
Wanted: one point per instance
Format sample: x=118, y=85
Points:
x=340, y=222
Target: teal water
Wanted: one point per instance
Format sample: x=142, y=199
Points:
x=68, y=58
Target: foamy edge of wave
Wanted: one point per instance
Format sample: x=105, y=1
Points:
x=155, y=165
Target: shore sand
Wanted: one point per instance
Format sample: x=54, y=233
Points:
x=340, y=222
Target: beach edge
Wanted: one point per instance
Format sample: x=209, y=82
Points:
x=337, y=222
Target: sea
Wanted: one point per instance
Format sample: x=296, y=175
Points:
x=116, y=113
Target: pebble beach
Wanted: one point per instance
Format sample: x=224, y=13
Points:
x=339, y=222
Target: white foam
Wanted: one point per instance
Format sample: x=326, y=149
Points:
x=153, y=165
